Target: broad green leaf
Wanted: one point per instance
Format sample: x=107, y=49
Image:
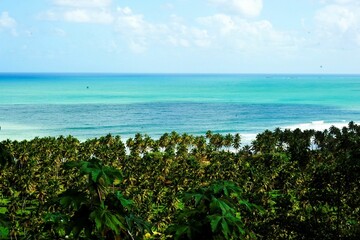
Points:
x=246, y=203
x=3, y=210
x=214, y=222
x=96, y=174
x=124, y=202
x=225, y=228
x=197, y=196
x=219, y=203
x=98, y=223
x=4, y=201
x=113, y=222
x=4, y=232
x=217, y=187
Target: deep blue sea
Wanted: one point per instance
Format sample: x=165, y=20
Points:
x=92, y=105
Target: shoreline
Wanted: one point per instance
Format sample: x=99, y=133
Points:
x=246, y=138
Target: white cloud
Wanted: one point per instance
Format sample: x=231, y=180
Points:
x=180, y=34
x=340, y=1
x=216, y=31
x=223, y=23
x=130, y=23
x=247, y=8
x=132, y=27
x=124, y=11
x=80, y=11
x=336, y=17
x=201, y=37
x=236, y=32
x=6, y=21
x=177, y=42
x=83, y=3
x=339, y=22
x=345, y=1
x=135, y=30
x=88, y=16
x=140, y=34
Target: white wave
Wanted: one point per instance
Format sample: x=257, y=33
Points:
x=18, y=127
x=19, y=132
x=317, y=125
x=247, y=138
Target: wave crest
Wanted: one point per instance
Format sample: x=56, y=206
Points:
x=317, y=125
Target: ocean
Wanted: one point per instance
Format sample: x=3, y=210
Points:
x=93, y=105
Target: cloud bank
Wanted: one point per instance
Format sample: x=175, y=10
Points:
x=80, y=11
x=246, y=8
x=339, y=21
x=83, y=3
x=8, y=23
x=237, y=25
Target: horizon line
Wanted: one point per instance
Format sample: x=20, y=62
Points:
x=166, y=73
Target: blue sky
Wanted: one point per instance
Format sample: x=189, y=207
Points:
x=180, y=36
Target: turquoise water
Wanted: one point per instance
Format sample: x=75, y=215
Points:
x=87, y=105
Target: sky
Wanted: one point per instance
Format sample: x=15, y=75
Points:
x=180, y=36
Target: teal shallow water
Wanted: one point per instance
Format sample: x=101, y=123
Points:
x=93, y=105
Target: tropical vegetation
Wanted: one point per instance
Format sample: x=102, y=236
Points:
x=284, y=185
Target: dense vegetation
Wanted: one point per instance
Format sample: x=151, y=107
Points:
x=285, y=185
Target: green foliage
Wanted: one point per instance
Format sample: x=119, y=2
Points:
x=5, y=157
x=285, y=185
x=213, y=212
x=97, y=209
x=4, y=232
x=4, y=223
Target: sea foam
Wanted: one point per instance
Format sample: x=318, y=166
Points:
x=317, y=125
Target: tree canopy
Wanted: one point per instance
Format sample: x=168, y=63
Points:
x=284, y=185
